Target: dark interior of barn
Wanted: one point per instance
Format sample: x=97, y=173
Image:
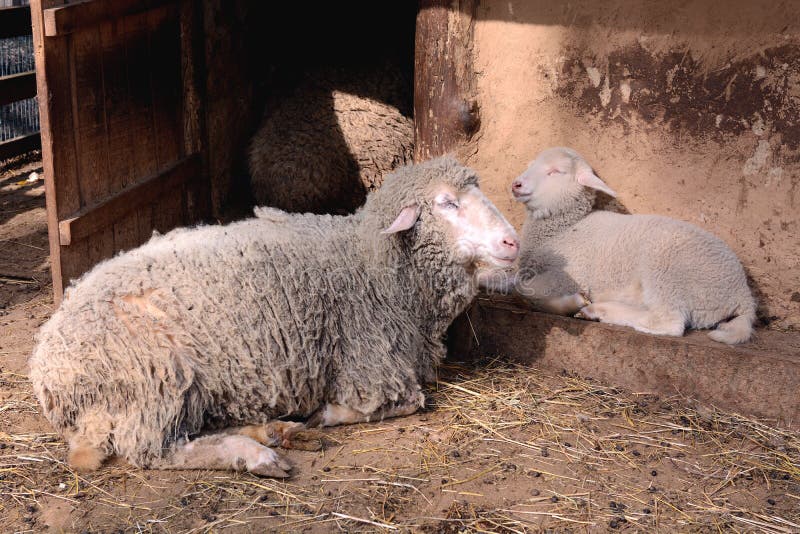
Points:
x=360, y=48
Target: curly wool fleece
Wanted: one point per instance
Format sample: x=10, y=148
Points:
x=273, y=316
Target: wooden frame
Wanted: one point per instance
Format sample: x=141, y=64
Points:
x=125, y=140
x=72, y=17
x=123, y=137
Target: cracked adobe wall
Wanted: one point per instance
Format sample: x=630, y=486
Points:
x=687, y=109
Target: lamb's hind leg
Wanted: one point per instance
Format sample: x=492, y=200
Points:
x=659, y=322
x=227, y=452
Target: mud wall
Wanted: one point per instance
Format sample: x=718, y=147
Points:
x=689, y=109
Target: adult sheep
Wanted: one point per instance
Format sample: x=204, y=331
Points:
x=652, y=273
x=323, y=147
x=334, y=318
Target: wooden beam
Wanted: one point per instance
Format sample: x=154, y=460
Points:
x=17, y=87
x=446, y=110
x=72, y=17
x=55, y=100
x=94, y=218
x=15, y=21
x=19, y=145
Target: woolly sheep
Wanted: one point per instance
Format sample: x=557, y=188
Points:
x=330, y=142
x=652, y=273
x=338, y=319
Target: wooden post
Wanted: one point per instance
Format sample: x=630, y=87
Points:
x=446, y=112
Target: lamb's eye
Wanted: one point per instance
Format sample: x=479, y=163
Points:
x=551, y=172
x=450, y=204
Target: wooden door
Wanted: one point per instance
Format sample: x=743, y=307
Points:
x=122, y=132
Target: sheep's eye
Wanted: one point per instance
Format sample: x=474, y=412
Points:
x=447, y=203
x=551, y=172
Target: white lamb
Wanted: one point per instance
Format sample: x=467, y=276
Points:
x=655, y=274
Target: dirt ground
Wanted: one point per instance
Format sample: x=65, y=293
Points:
x=500, y=448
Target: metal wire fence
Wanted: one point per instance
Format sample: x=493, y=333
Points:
x=16, y=56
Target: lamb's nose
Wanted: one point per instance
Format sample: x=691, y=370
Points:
x=516, y=184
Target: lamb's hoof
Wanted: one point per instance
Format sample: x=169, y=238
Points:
x=270, y=464
x=584, y=297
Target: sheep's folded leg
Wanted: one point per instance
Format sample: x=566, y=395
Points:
x=225, y=451
x=271, y=434
x=662, y=323
x=337, y=414
x=284, y=434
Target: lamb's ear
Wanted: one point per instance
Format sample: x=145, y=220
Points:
x=587, y=178
x=405, y=220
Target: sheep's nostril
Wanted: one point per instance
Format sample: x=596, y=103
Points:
x=516, y=185
x=513, y=244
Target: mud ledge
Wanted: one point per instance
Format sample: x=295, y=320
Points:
x=760, y=378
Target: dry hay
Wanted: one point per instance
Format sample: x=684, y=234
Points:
x=502, y=448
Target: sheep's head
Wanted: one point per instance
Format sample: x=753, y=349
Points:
x=556, y=179
x=472, y=228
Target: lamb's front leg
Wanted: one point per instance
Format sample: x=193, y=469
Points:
x=539, y=291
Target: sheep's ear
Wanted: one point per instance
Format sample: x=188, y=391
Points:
x=587, y=178
x=408, y=216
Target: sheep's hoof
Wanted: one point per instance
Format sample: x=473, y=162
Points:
x=579, y=315
x=270, y=464
x=584, y=296
x=308, y=440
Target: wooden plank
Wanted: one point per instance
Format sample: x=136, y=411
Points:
x=118, y=117
x=138, y=75
x=445, y=106
x=80, y=15
x=57, y=136
x=140, y=124
x=17, y=87
x=197, y=201
x=165, y=86
x=119, y=114
x=229, y=98
x=130, y=199
x=19, y=145
x=91, y=142
x=117, y=105
x=15, y=21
